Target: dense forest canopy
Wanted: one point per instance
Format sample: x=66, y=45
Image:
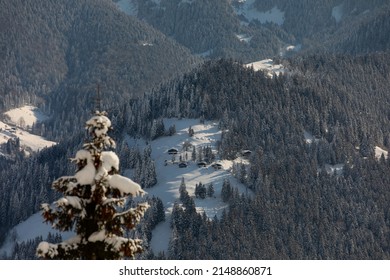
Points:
x=54, y=53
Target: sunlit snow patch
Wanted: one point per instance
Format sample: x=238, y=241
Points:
x=129, y=7
x=267, y=66
x=33, y=142
x=294, y=48
x=309, y=138
x=25, y=116
x=334, y=169
x=337, y=13
x=379, y=152
x=244, y=38
x=18, y=120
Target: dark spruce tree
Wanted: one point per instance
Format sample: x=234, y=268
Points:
x=92, y=201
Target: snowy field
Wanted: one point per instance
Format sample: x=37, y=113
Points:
x=267, y=66
x=26, y=115
x=129, y=7
x=379, y=152
x=250, y=13
x=169, y=175
x=18, y=120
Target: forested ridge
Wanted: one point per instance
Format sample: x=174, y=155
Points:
x=297, y=209
x=249, y=30
x=55, y=53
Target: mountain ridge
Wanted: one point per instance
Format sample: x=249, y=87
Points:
x=55, y=44
x=269, y=26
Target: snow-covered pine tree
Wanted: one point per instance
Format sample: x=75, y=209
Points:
x=93, y=203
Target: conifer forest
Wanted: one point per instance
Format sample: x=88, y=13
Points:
x=298, y=93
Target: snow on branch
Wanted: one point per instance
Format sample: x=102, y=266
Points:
x=125, y=185
x=74, y=201
x=51, y=251
x=132, y=216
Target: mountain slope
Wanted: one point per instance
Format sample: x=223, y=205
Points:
x=323, y=198
x=169, y=176
x=211, y=28
x=252, y=29
x=319, y=188
x=73, y=45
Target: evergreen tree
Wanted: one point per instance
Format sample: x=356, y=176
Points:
x=210, y=190
x=184, y=196
x=92, y=198
x=193, y=154
x=200, y=191
x=227, y=190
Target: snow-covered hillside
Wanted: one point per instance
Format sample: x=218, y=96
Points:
x=128, y=7
x=268, y=66
x=169, y=176
x=247, y=10
x=17, y=121
x=379, y=152
x=25, y=116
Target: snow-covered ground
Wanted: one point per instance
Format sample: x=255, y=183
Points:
x=309, y=138
x=337, y=13
x=244, y=38
x=18, y=120
x=250, y=13
x=169, y=177
x=129, y=7
x=379, y=151
x=25, y=116
x=334, y=169
x=267, y=66
x=29, y=229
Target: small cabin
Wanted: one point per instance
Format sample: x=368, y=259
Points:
x=183, y=165
x=202, y=164
x=173, y=151
x=217, y=166
x=246, y=153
